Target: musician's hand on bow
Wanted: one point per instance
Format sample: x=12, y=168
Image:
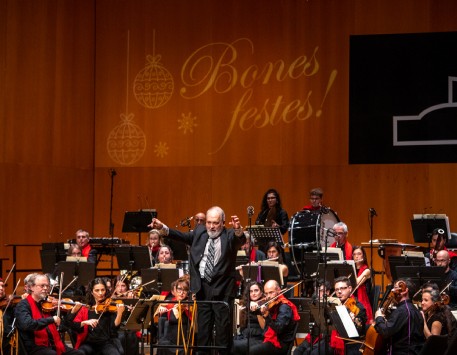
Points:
x=161, y=310
x=90, y=322
x=254, y=306
x=156, y=224
x=57, y=320
x=379, y=313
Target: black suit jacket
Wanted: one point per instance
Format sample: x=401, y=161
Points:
x=223, y=281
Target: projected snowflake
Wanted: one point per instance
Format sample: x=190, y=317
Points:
x=187, y=123
x=161, y=149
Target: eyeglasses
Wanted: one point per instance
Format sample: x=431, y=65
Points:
x=341, y=289
x=180, y=289
x=43, y=285
x=340, y=234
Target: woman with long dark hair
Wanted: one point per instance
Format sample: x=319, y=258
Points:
x=438, y=319
x=359, y=256
x=271, y=212
x=253, y=292
x=97, y=326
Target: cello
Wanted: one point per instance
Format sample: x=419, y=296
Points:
x=373, y=340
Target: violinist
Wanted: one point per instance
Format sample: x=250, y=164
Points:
x=438, y=320
x=178, y=316
x=403, y=328
x=280, y=316
x=438, y=242
x=6, y=319
x=252, y=293
x=443, y=259
x=38, y=330
x=121, y=289
x=363, y=280
x=97, y=327
x=357, y=312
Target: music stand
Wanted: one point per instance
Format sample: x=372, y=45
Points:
x=163, y=276
x=396, y=261
x=343, y=322
x=337, y=269
x=319, y=312
x=267, y=272
x=261, y=236
x=424, y=224
x=138, y=221
x=304, y=311
x=133, y=257
x=84, y=271
x=421, y=274
x=51, y=254
x=139, y=318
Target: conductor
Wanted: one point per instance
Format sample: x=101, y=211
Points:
x=212, y=272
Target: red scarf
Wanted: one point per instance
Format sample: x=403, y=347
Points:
x=41, y=336
x=270, y=334
x=82, y=315
x=85, y=251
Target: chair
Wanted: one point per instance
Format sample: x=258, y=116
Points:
x=452, y=345
x=435, y=344
x=292, y=343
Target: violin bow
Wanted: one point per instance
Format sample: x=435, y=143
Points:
x=8, y=276
x=356, y=287
x=279, y=294
x=11, y=298
x=74, y=279
x=59, y=303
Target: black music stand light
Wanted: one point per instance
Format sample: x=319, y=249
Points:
x=163, y=276
x=138, y=221
x=261, y=236
x=421, y=274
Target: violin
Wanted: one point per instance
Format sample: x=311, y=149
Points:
x=352, y=306
x=15, y=299
x=66, y=304
x=109, y=305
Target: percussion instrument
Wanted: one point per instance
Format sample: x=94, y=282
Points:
x=305, y=227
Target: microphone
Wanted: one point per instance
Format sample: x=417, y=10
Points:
x=331, y=233
x=373, y=212
x=186, y=221
x=112, y=172
x=250, y=211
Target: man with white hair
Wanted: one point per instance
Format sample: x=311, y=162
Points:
x=341, y=235
x=212, y=259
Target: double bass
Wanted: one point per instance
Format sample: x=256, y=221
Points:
x=374, y=344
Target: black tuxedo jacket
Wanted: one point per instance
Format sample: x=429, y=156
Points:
x=223, y=281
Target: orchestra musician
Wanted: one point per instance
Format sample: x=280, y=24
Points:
x=164, y=255
x=6, y=319
x=363, y=280
x=82, y=239
x=37, y=329
x=271, y=212
x=256, y=254
x=276, y=252
x=438, y=320
x=341, y=235
x=252, y=293
x=357, y=312
x=281, y=316
x=154, y=243
x=438, y=242
x=443, y=259
x=96, y=324
x=74, y=250
x=403, y=328
x=177, y=317
x=212, y=262
x=199, y=219
x=315, y=197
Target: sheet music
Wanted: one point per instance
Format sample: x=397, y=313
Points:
x=347, y=321
x=334, y=251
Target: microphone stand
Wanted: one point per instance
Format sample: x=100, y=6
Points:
x=324, y=300
x=111, y=224
x=373, y=272
x=248, y=308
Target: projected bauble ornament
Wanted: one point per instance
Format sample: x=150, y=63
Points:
x=153, y=85
x=126, y=143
